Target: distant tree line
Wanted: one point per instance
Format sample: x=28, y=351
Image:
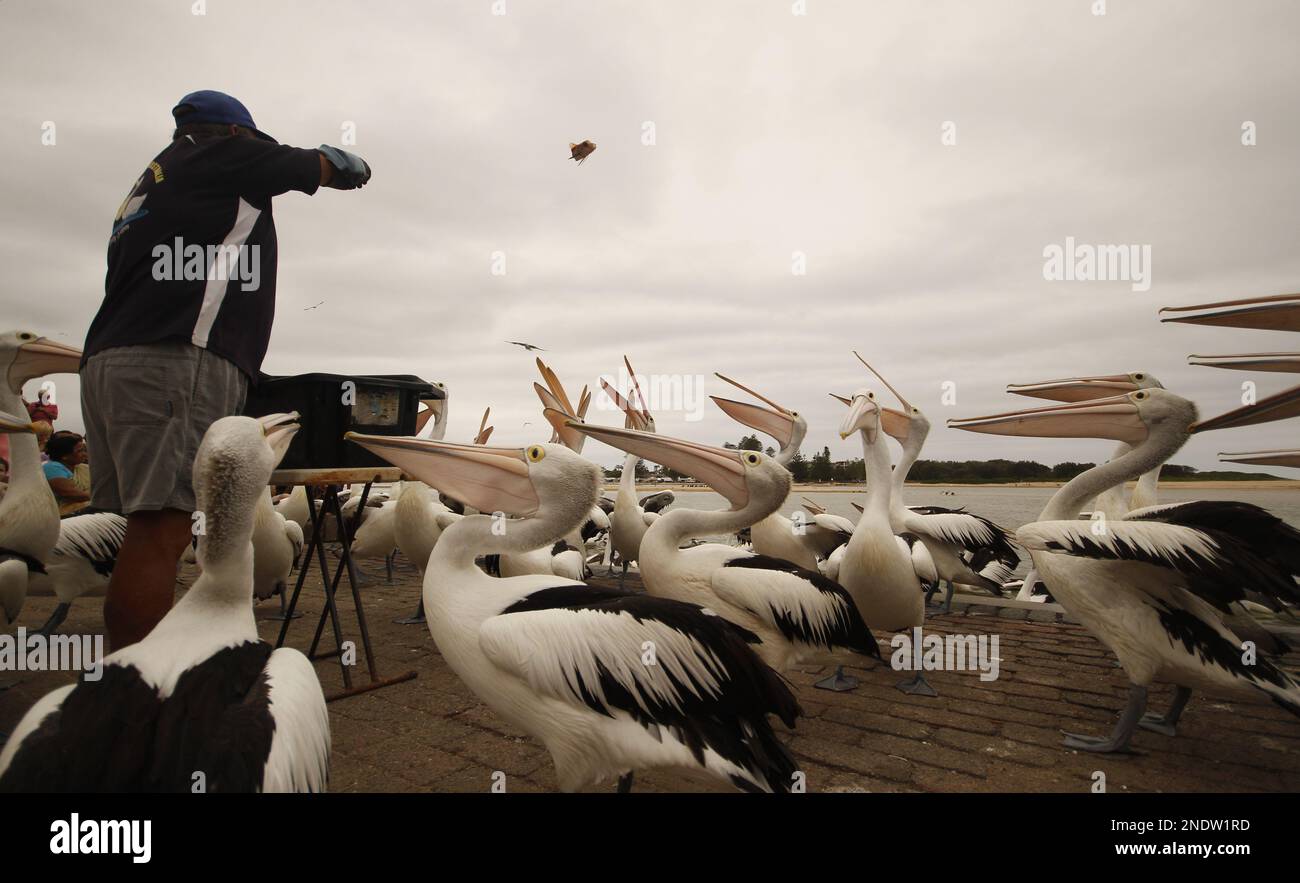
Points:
x=821, y=469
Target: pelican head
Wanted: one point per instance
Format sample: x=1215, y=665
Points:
x=1129, y=418
x=544, y=481
x=435, y=409
x=782, y=424
x=553, y=397
x=637, y=414
x=863, y=416
x=231, y=471
x=25, y=355
x=903, y=426
x=1085, y=389
x=747, y=479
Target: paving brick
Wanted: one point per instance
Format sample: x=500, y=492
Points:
x=868, y=760
x=432, y=734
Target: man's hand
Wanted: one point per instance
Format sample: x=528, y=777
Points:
x=342, y=170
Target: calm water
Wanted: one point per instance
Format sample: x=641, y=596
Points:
x=1008, y=506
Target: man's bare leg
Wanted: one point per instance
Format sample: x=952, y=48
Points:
x=143, y=585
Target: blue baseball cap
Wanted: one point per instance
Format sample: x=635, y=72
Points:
x=208, y=106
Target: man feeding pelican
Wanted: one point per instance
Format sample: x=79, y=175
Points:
x=170, y=353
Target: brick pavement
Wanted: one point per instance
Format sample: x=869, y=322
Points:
x=432, y=734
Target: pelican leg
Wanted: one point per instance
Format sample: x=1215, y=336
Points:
x=625, y=784
x=388, y=565
x=622, y=577
x=917, y=686
x=56, y=619
x=838, y=682
x=284, y=609
x=947, y=601
x=1117, y=741
x=930, y=590
x=1167, y=723
x=417, y=619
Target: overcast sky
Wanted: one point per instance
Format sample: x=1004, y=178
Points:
x=774, y=133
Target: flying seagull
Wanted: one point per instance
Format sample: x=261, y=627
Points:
x=305, y=309
x=527, y=346
x=581, y=151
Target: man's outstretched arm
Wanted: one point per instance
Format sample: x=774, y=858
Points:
x=342, y=170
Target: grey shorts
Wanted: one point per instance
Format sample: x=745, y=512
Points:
x=146, y=409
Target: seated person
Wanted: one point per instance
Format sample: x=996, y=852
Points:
x=66, y=450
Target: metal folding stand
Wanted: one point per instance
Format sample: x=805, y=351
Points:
x=329, y=479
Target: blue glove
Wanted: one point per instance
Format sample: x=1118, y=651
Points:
x=350, y=170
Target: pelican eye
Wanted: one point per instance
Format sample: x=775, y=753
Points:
x=1139, y=377
x=27, y=336
x=1139, y=396
x=751, y=458
x=535, y=453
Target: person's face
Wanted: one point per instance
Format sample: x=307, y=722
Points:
x=79, y=454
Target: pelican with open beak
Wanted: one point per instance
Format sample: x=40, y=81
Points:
x=550, y=655
x=553, y=396
x=806, y=539
x=778, y=421
x=1154, y=586
x=35, y=356
x=435, y=410
x=1113, y=502
x=628, y=520
x=1086, y=389
x=961, y=547
x=800, y=616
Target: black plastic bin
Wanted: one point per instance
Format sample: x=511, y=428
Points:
x=378, y=404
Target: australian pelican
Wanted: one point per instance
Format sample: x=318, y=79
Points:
x=610, y=682
x=800, y=616
x=29, y=515
x=810, y=537
x=1153, y=586
x=200, y=695
x=965, y=548
x=1111, y=503
x=628, y=522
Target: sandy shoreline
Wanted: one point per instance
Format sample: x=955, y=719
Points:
x=1288, y=484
